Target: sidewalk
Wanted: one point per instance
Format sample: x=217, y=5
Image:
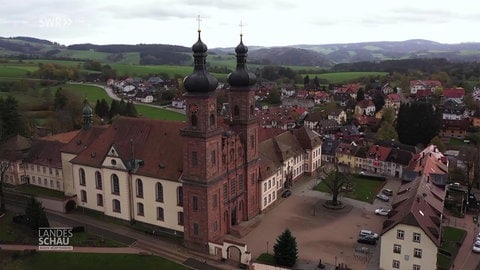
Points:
x=145, y=242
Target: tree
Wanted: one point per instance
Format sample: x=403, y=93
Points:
x=285, y=249
x=130, y=110
x=335, y=180
x=418, y=123
x=35, y=214
x=11, y=122
x=274, y=97
x=360, y=94
x=60, y=99
x=102, y=108
x=387, y=132
x=379, y=101
x=306, y=81
x=114, y=108
x=389, y=115
x=439, y=143
x=4, y=165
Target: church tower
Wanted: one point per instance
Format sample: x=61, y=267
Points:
x=202, y=173
x=87, y=113
x=241, y=99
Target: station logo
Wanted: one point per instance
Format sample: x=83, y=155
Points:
x=50, y=238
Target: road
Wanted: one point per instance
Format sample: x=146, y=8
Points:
x=112, y=95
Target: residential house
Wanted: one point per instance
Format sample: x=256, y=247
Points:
x=455, y=93
x=345, y=154
x=455, y=128
x=341, y=98
x=376, y=160
x=365, y=107
x=349, y=133
x=411, y=235
x=454, y=109
x=393, y=101
x=144, y=97
x=329, y=148
x=270, y=180
x=427, y=86
x=387, y=89
x=338, y=115
x=321, y=97
x=178, y=103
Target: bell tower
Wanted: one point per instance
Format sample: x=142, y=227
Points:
x=241, y=99
x=201, y=176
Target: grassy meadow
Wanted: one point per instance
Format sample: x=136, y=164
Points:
x=338, y=77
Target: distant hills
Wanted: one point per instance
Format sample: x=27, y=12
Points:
x=299, y=55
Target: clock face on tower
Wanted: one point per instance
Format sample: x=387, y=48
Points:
x=193, y=108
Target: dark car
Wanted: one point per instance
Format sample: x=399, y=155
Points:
x=369, y=240
x=387, y=192
x=286, y=193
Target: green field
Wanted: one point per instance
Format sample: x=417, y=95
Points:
x=91, y=261
x=9, y=71
x=339, y=77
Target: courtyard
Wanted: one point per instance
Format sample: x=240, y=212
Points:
x=329, y=235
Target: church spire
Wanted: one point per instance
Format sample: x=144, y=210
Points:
x=241, y=76
x=87, y=115
x=200, y=81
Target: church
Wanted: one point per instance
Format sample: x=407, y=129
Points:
x=196, y=179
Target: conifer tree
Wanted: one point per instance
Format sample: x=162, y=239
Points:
x=285, y=250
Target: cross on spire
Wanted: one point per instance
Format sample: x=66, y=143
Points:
x=241, y=27
x=199, y=20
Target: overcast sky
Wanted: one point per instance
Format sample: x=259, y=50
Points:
x=266, y=22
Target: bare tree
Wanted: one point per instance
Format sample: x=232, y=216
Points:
x=4, y=165
x=335, y=180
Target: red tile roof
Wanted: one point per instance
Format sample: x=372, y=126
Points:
x=378, y=152
x=454, y=92
x=158, y=143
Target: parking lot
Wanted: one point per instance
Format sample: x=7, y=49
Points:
x=329, y=235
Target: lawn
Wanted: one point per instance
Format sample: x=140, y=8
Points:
x=362, y=189
x=9, y=71
x=266, y=259
x=339, y=77
x=91, y=261
x=451, y=241
x=40, y=191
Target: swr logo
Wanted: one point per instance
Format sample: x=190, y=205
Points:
x=55, y=21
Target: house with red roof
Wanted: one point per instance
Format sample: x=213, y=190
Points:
x=427, y=86
x=393, y=101
x=321, y=97
x=365, y=107
x=453, y=93
x=413, y=226
x=377, y=159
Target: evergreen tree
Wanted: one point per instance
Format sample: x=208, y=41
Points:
x=114, y=109
x=35, y=214
x=130, y=110
x=360, y=94
x=102, y=108
x=60, y=99
x=285, y=249
x=10, y=120
x=316, y=82
x=418, y=123
x=306, y=81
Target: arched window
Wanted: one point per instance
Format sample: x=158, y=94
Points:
x=180, y=196
x=236, y=111
x=98, y=180
x=212, y=120
x=115, y=184
x=159, y=192
x=194, y=120
x=81, y=176
x=139, y=188
x=116, y=206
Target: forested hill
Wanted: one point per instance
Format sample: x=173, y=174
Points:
x=298, y=55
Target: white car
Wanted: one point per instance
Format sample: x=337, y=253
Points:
x=382, y=211
x=476, y=247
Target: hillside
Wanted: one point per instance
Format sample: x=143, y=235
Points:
x=325, y=55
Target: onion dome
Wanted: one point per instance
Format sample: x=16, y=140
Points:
x=241, y=76
x=200, y=81
x=87, y=110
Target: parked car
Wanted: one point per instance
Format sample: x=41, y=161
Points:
x=387, y=192
x=286, y=193
x=476, y=247
x=369, y=240
x=382, y=211
x=364, y=233
x=383, y=197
